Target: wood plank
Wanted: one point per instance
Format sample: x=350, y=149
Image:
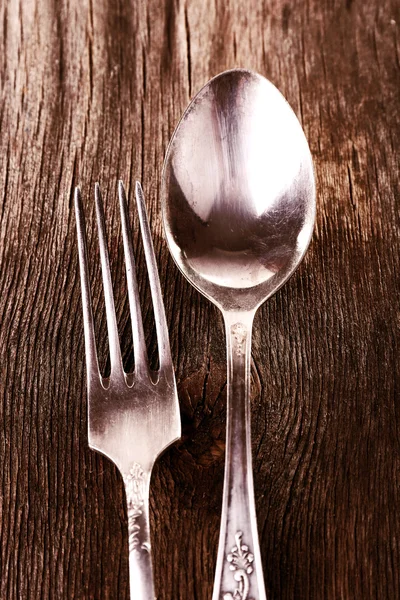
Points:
x=92, y=91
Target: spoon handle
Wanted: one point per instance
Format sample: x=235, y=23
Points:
x=239, y=572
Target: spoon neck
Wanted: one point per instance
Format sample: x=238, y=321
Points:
x=236, y=317
x=238, y=340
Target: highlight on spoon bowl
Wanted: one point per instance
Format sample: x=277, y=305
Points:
x=238, y=191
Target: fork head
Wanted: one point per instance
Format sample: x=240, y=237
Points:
x=133, y=417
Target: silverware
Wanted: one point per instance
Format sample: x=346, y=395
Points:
x=132, y=417
x=238, y=201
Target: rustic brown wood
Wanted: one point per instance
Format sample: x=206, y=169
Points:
x=92, y=91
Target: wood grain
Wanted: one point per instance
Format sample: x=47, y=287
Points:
x=92, y=91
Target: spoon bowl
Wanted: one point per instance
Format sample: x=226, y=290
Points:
x=238, y=191
x=238, y=200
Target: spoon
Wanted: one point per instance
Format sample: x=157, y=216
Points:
x=238, y=200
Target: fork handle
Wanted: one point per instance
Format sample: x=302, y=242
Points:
x=141, y=581
x=239, y=573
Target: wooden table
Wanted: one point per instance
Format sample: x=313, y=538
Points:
x=91, y=91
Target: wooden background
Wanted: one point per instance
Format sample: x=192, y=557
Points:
x=92, y=91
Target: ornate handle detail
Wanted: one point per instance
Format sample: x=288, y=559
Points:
x=137, y=483
x=238, y=519
x=135, y=487
x=240, y=559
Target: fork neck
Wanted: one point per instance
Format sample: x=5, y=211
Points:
x=137, y=484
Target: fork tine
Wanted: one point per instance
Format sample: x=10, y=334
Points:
x=88, y=323
x=139, y=341
x=113, y=338
x=164, y=351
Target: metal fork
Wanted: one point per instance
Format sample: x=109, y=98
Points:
x=132, y=417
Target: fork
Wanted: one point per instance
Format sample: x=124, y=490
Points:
x=132, y=417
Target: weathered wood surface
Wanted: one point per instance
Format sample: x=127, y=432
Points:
x=92, y=91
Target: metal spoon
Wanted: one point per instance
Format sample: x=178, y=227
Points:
x=238, y=200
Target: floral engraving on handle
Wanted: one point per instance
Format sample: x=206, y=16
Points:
x=135, y=493
x=239, y=334
x=240, y=560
